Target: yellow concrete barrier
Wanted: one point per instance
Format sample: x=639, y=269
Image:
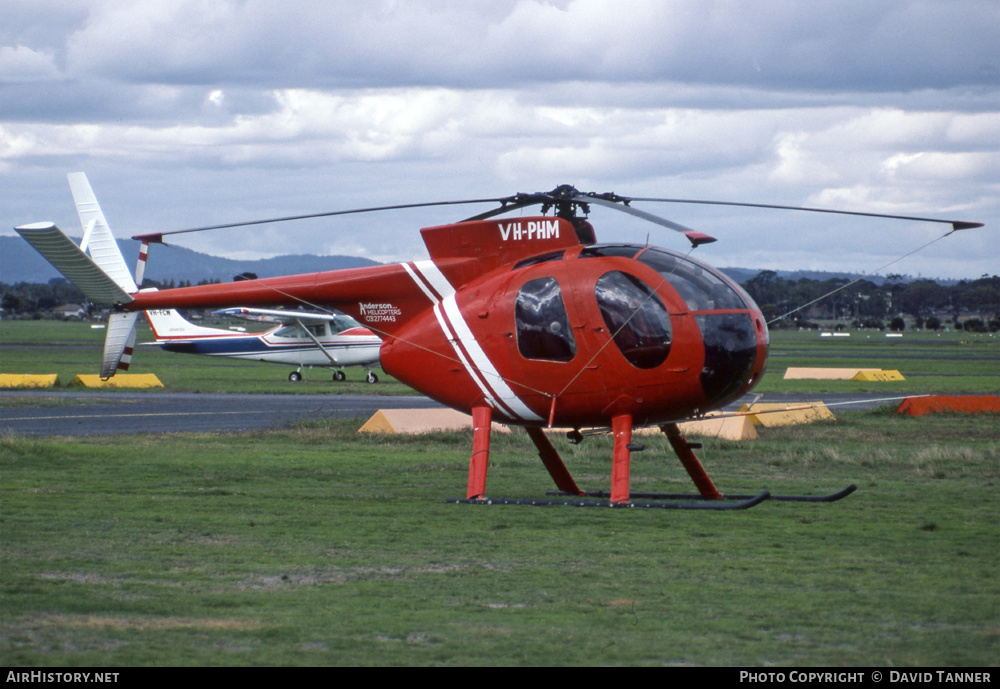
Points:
x=879, y=375
x=774, y=414
x=726, y=427
x=793, y=373
x=414, y=421
x=28, y=380
x=122, y=380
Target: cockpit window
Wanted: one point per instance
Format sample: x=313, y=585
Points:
x=697, y=284
x=295, y=332
x=626, y=250
x=341, y=323
x=289, y=331
x=636, y=318
x=730, y=351
x=543, y=330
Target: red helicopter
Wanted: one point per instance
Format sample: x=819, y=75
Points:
x=526, y=321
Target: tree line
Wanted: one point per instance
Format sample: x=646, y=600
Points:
x=972, y=305
x=37, y=300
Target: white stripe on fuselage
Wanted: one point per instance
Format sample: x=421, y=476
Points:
x=435, y=277
x=457, y=331
x=424, y=287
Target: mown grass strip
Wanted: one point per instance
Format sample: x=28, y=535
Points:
x=314, y=545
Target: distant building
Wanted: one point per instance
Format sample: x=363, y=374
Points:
x=69, y=311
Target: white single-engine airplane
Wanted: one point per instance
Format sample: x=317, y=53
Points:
x=300, y=338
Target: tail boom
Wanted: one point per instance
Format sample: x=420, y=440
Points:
x=382, y=298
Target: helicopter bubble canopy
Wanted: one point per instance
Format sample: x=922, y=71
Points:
x=702, y=287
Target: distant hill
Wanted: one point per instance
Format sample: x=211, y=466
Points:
x=19, y=262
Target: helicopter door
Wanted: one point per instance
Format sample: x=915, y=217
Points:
x=541, y=324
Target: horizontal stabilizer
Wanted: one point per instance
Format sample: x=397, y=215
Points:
x=76, y=266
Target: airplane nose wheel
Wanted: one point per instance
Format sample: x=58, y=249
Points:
x=339, y=376
x=294, y=377
x=372, y=378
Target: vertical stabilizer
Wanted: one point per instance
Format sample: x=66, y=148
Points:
x=99, y=241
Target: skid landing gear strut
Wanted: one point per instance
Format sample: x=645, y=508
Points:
x=568, y=493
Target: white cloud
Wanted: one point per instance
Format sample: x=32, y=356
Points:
x=19, y=64
x=853, y=45
x=187, y=113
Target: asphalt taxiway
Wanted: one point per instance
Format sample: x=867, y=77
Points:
x=55, y=413
x=88, y=413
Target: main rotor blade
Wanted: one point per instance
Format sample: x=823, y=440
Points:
x=509, y=205
x=696, y=238
x=158, y=236
x=563, y=196
x=955, y=224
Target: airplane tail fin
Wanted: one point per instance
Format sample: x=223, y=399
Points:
x=169, y=325
x=103, y=276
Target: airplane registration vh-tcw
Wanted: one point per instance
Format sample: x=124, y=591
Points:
x=528, y=322
x=299, y=338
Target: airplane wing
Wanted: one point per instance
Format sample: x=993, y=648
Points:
x=277, y=315
x=339, y=322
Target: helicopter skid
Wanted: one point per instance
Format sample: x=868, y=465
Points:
x=718, y=505
x=830, y=497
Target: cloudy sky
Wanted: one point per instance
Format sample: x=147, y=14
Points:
x=188, y=113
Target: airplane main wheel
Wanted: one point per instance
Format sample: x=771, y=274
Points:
x=339, y=376
x=372, y=378
x=294, y=377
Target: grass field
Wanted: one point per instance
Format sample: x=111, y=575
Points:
x=313, y=545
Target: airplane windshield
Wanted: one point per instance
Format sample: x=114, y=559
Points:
x=341, y=323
